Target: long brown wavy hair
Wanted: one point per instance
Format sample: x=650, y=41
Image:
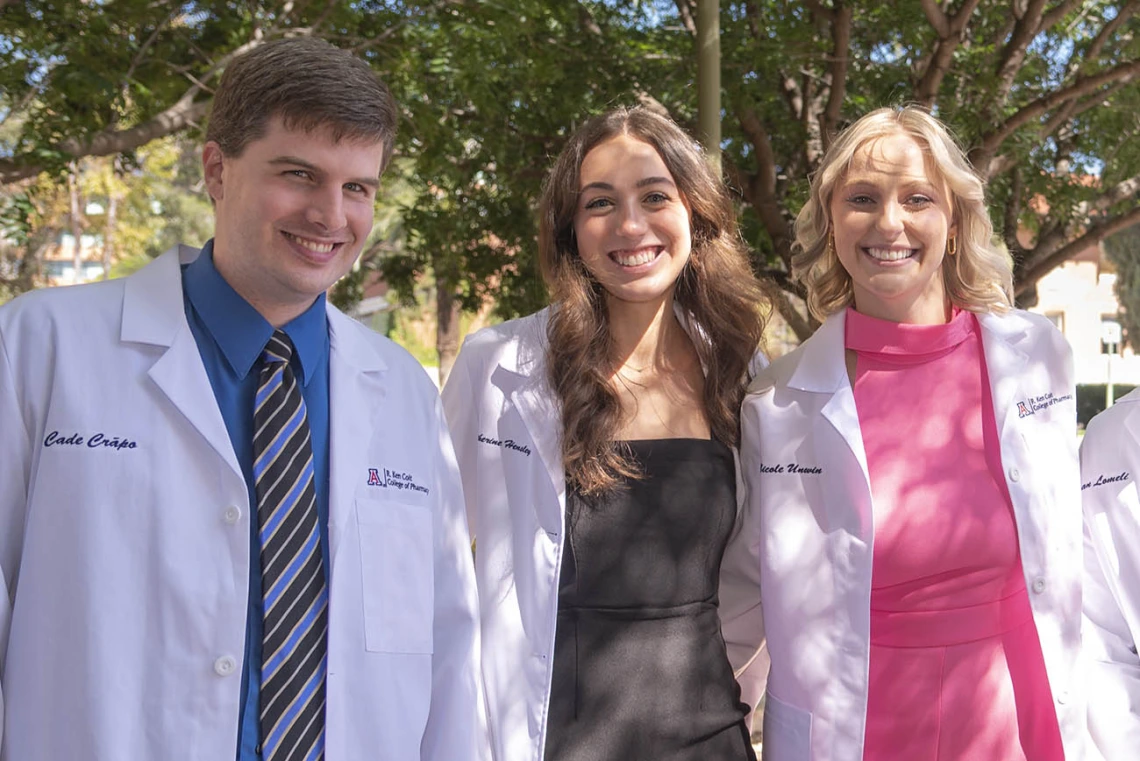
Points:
x=717, y=290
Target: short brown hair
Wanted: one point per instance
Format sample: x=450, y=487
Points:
x=716, y=289
x=311, y=85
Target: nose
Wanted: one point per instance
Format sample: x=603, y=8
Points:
x=326, y=209
x=632, y=220
x=890, y=217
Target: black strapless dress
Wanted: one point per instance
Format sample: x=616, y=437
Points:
x=640, y=668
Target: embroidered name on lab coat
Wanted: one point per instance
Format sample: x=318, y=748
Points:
x=1103, y=479
x=1035, y=404
x=504, y=444
x=792, y=467
x=98, y=440
x=393, y=479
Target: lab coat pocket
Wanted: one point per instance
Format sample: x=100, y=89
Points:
x=397, y=575
x=787, y=731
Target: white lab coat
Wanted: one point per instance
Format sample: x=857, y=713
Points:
x=1110, y=461
x=125, y=568
x=507, y=428
x=812, y=529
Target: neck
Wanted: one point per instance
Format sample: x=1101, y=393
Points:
x=642, y=333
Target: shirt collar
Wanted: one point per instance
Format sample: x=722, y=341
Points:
x=240, y=331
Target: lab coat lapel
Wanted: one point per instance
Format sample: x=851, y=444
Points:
x=357, y=401
x=154, y=313
x=1006, y=360
x=536, y=405
x=823, y=370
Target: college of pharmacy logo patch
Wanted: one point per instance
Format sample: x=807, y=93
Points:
x=374, y=477
x=1022, y=411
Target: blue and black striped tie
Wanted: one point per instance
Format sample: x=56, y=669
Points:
x=294, y=643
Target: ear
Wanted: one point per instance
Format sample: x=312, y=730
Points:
x=213, y=166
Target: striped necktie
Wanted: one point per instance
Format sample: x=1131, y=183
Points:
x=294, y=650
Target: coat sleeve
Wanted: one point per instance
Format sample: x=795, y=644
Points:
x=742, y=616
x=15, y=455
x=1109, y=644
x=457, y=726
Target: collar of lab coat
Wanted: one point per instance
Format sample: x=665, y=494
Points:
x=822, y=368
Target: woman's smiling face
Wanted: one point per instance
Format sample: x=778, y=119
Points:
x=632, y=226
x=891, y=216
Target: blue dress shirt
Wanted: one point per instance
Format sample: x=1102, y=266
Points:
x=231, y=335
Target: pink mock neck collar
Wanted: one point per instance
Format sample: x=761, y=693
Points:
x=871, y=335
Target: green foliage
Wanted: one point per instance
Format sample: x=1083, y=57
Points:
x=1123, y=251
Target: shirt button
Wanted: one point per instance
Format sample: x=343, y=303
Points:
x=1014, y=475
x=225, y=665
x=1038, y=585
x=232, y=514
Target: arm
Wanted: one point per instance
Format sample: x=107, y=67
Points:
x=15, y=456
x=456, y=726
x=1109, y=644
x=741, y=612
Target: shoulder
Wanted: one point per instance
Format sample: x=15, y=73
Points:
x=516, y=343
x=395, y=359
x=1111, y=425
x=44, y=311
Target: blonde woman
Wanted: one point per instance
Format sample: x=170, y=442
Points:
x=595, y=441
x=912, y=477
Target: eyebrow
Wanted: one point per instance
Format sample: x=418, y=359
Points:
x=372, y=182
x=640, y=183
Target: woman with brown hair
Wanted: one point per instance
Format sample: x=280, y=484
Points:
x=595, y=440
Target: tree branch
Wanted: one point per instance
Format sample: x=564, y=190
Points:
x=937, y=18
x=1105, y=34
x=761, y=188
x=983, y=154
x=950, y=31
x=686, y=13
x=1013, y=54
x=1057, y=13
x=1034, y=271
x=1121, y=191
x=181, y=115
x=841, y=39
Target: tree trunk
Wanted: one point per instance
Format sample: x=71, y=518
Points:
x=109, y=252
x=447, y=327
x=708, y=78
x=75, y=221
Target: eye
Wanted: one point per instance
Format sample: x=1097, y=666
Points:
x=657, y=198
x=356, y=187
x=598, y=203
x=299, y=173
x=860, y=199
x=918, y=199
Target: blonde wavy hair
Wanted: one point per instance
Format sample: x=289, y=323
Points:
x=979, y=278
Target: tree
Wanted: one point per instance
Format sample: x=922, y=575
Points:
x=1123, y=251
x=1045, y=94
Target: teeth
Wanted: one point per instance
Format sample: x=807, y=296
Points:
x=890, y=254
x=312, y=245
x=636, y=258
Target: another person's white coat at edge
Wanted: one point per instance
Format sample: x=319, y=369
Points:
x=506, y=425
x=124, y=541
x=809, y=526
x=1110, y=461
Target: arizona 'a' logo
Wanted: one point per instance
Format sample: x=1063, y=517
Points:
x=374, y=477
x=1023, y=410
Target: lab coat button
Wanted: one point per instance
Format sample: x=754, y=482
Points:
x=232, y=514
x=1014, y=475
x=1038, y=585
x=225, y=665
x=1063, y=697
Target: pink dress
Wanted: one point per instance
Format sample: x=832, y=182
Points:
x=956, y=672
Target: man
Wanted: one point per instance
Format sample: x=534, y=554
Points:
x=1110, y=464
x=231, y=523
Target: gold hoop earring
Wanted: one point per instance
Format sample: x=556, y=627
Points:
x=952, y=245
